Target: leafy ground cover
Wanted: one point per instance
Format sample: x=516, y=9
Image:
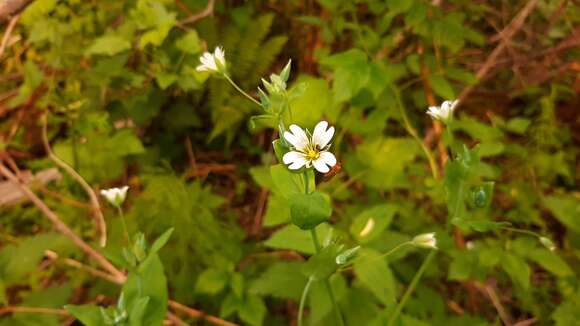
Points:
x=214, y=227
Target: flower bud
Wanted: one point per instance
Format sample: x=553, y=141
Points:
x=426, y=240
x=547, y=243
x=115, y=196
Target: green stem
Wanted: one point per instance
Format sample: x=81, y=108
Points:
x=386, y=254
x=534, y=234
x=336, y=309
x=306, y=182
x=411, y=288
x=415, y=136
x=125, y=230
x=303, y=300
x=242, y=91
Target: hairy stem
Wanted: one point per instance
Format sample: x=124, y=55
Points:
x=125, y=229
x=242, y=91
x=411, y=288
x=303, y=300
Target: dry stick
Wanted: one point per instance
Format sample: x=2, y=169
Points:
x=176, y=320
x=9, y=8
x=98, y=213
x=62, y=227
x=208, y=11
x=173, y=304
x=507, y=33
x=7, y=33
x=33, y=310
x=199, y=314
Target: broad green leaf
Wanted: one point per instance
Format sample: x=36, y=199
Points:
x=108, y=45
x=89, y=314
x=292, y=238
x=442, y=87
x=566, y=209
x=374, y=273
x=189, y=43
x=161, y=241
x=371, y=222
x=517, y=269
x=282, y=280
x=322, y=264
x=252, y=310
x=309, y=210
x=287, y=183
x=211, y=281
x=551, y=262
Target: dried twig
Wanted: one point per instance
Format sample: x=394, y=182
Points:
x=9, y=8
x=199, y=314
x=98, y=213
x=7, y=34
x=208, y=11
x=507, y=33
x=60, y=226
x=33, y=310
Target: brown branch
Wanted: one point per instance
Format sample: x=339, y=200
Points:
x=61, y=226
x=9, y=8
x=208, y=11
x=7, y=34
x=97, y=212
x=507, y=33
x=194, y=313
x=78, y=265
x=33, y=310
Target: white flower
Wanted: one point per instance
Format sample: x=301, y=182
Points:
x=215, y=61
x=443, y=112
x=310, y=150
x=115, y=196
x=426, y=240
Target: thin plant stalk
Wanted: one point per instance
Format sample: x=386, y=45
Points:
x=386, y=254
x=242, y=91
x=303, y=300
x=411, y=288
x=125, y=229
x=327, y=285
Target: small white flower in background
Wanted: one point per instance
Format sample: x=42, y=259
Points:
x=548, y=243
x=443, y=112
x=426, y=240
x=213, y=62
x=115, y=196
x=310, y=150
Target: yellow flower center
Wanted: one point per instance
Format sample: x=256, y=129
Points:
x=312, y=154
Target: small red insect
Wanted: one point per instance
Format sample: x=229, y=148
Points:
x=333, y=171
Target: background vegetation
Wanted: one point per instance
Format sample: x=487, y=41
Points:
x=116, y=86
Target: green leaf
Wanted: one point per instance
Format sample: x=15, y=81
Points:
x=211, y=281
x=309, y=210
x=371, y=222
x=189, y=43
x=286, y=182
x=551, y=262
x=282, y=280
x=442, y=87
x=566, y=209
x=89, y=314
x=137, y=312
x=479, y=225
x=322, y=264
x=252, y=310
x=351, y=73
x=161, y=241
x=373, y=272
x=108, y=45
x=517, y=269
x=165, y=79
x=152, y=274
x=292, y=238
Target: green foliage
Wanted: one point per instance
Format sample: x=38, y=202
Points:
x=126, y=105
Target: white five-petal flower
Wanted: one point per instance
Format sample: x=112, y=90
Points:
x=115, y=196
x=443, y=112
x=426, y=240
x=213, y=62
x=310, y=150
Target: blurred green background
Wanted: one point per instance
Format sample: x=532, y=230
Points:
x=124, y=105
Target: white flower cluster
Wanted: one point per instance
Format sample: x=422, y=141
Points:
x=213, y=62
